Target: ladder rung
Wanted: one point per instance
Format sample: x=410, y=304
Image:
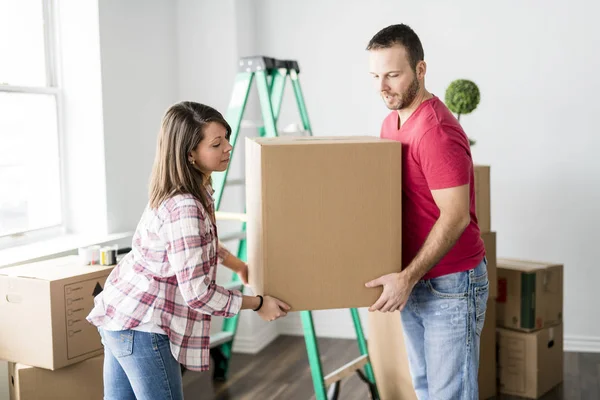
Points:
x=248, y=123
x=346, y=370
x=233, y=236
x=219, y=338
x=235, y=182
x=230, y=216
x=237, y=285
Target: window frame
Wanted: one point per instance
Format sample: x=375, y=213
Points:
x=52, y=87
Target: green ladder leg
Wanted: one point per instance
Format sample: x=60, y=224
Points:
x=270, y=96
x=235, y=112
x=221, y=353
x=328, y=387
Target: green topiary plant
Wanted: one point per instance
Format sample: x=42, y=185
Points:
x=462, y=97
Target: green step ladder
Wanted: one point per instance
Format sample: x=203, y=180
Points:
x=271, y=75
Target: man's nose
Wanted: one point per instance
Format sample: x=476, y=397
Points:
x=383, y=86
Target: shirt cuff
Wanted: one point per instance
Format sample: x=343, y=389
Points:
x=235, y=302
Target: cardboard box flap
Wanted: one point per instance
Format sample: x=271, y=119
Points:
x=320, y=140
x=53, y=270
x=524, y=265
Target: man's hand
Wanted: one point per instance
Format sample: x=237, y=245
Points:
x=396, y=289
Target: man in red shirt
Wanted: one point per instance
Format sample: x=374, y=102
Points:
x=442, y=289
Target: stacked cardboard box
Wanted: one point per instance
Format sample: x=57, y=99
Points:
x=81, y=381
x=45, y=337
x=530, y=331
x=386, y=341
x=488, y=383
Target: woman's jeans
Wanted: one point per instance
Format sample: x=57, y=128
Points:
x=139, y=365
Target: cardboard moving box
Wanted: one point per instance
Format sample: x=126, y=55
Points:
x=387, y=352
x=530, y=294
x=483, y=197
x=82, y=381
x=530, y=364
x=324, y=217
x=489, y=241
x=488, y=373
x=43, y=309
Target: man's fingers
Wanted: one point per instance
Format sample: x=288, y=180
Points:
x=375, y=282
x=389, y=305
x=379, y=303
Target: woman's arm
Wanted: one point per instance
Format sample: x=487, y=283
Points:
x=232, y=262
x=188, y=253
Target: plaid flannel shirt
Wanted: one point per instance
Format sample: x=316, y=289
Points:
x=169, y=279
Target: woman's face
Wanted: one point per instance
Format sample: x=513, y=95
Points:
x=213, y=152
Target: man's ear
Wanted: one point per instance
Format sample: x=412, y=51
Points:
x=421, y=70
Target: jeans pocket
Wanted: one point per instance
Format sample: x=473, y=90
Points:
x=120, y=343
x=449, y=286
x=481, y=298
x=160, y=341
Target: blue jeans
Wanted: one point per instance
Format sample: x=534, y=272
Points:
x=442, y=322
x=139, y=365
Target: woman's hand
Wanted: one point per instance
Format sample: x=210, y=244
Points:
x=243, y=273
x=272, y=309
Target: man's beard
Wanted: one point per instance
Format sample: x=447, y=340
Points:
x=406, y=98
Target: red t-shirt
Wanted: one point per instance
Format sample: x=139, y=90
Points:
x=435, y=155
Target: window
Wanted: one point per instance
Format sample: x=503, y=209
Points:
x=30, y=106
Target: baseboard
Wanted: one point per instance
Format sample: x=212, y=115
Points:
x=254, y=343
x=291, y=325
x=582, y=344
x=4, y=389
x=330, y=324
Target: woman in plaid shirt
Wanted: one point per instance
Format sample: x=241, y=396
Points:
x=155, y=310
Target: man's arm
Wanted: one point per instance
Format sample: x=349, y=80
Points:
x=454, y=218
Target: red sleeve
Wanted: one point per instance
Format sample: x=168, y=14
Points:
x=445, y=158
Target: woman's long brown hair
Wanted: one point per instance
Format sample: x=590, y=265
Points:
x=181, y=131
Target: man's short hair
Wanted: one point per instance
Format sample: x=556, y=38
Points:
x=399, y=34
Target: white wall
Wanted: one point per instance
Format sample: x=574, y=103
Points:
x=139, y=82
x=536, y=66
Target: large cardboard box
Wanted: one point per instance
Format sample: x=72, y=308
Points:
x=489, y=241
x=82, y=381
x=387, y=352
x=389, y=359
x=530, y=294
x=530, y=364
x=324, y=217
x=488, y=376
x=483, y=197
x=43, y=309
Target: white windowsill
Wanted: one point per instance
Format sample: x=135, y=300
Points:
x=55, y=246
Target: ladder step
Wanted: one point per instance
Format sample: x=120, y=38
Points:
x=346, y=370
x=237, y=285
x=219, y=338
x=248, y=123
x=230, y=216
x=233, y=236
x=235, y=182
